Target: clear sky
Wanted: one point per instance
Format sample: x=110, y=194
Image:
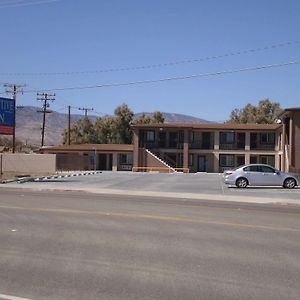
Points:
x=77, y=37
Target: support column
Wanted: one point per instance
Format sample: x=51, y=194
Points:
x=186, y=149
x=277, y=160
x=247, y=158
x=95, y=155
x=277, y=141
x=216, y=162
x=107, y=161
x=115, y=161
x=290, y=142
x=247, y=141
x=283, y=158
x=216, y=140
x=136, y=151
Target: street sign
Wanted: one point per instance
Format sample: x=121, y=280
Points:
x=7, y=113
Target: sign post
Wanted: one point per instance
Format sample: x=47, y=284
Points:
x=7, y=116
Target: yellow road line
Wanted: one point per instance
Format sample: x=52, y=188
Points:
x=153, y=217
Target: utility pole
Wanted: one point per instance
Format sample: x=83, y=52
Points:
x=86, y=110
x=44, y=97
x=69, y=125
x=14, y=89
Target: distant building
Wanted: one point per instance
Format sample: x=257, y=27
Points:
x=193, y=147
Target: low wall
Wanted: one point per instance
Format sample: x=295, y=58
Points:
x=32, y=164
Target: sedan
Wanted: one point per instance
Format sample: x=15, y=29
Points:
x=259, y=175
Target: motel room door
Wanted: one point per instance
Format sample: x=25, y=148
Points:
x=201, y=163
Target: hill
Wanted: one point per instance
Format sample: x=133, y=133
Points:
x=29, y=124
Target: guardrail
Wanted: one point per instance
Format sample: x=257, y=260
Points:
x=151, y=169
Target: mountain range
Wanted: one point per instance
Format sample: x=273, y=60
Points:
x=29, y=124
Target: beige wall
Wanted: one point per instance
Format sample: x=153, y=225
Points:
x=28, y=163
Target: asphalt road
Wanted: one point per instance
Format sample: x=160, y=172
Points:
x=81, y=246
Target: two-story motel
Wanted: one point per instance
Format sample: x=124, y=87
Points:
x=211, y=147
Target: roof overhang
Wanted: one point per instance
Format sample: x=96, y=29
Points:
x=288, y=111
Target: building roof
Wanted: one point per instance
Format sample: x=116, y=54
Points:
x=211, y=126
x=91, y=147
x=287, y=111
x=292, y=109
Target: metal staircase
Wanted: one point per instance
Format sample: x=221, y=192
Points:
x=160, y=160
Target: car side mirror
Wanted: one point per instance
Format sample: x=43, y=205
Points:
x=277, y=172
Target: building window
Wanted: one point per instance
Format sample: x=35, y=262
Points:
x=125, y=159
x=226, y=160
x=253, y=159
x=268, y=160
x=191, y=160
x=191, y=136
x=240, y=160
x=150, y=135
x=227, y=137
x=267, y=138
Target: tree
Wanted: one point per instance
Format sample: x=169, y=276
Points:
x=7, y=142
x=82, y=132
x=142, y=119
x=156, y=118
x=104, y=128
x=109, y=129
x=264, y=113
x=123, y=120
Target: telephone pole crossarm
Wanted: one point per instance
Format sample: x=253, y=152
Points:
x=85, y=109
x=45, y=98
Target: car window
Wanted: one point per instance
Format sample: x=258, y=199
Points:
x=251, y=169
x=266, y=169
x=254, y=168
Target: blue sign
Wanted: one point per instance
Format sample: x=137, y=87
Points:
x=7, y=118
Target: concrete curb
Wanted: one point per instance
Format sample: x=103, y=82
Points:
x=43, y=178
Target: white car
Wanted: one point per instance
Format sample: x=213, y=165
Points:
x=259, y=175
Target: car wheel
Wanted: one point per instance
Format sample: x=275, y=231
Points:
x=241, y=182
x=289, y=183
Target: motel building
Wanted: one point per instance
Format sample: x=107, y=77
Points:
x=188, y=147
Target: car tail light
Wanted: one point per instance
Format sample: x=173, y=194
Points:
x=228, y=172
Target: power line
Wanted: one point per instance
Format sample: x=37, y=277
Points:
x=160, y=65
x=118, y=84
x=18, y=3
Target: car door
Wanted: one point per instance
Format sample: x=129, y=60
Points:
x=253, y=174
x=270, y=176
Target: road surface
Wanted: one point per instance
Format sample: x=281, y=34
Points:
x=72, y=245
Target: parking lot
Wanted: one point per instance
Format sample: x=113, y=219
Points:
x=179, y=185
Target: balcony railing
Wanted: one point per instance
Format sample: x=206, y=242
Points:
x=157, y=145
x=201, y=145
x=235, y=146
x=257, y=146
